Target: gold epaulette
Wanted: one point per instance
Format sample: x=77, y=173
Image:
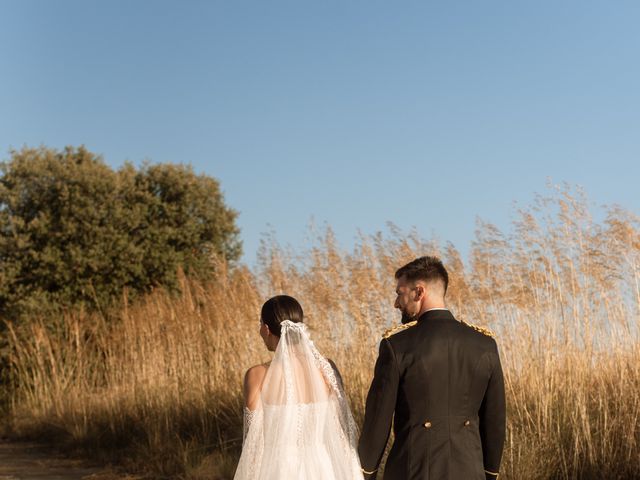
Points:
x=399, y=328
x=483, y=330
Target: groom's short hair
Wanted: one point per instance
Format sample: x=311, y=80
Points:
x=425, y=268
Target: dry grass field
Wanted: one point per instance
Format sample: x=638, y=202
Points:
x=157, y=388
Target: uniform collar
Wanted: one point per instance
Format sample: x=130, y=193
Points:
x=436, y=314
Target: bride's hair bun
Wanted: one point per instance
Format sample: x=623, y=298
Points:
x=278, y=309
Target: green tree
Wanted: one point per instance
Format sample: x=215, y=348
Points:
x=74, y=232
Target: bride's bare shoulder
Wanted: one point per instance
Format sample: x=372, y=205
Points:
x=257, y=372
x=255, y=376
x=253, y=383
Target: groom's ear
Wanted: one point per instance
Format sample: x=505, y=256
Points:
x=420, y=291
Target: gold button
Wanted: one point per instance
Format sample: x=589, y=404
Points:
x=427, y=424
x=467, y=423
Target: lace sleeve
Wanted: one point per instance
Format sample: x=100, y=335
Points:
x=249, y=416
x=250, y=461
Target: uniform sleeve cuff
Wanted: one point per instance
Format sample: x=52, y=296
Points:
x=495, y=474
x=367, y=472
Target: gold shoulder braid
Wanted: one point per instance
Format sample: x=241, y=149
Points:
x=399, y=328
x=483, y=330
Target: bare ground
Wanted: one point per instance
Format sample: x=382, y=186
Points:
x=29, y=461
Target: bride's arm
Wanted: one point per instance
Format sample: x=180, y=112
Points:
x=252, y=385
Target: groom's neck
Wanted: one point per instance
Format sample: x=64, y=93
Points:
x=431, y=305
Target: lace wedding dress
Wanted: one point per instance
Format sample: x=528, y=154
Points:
x=302, y=428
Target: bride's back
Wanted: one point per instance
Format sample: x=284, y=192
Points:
x=299, y=396
x=295, y=380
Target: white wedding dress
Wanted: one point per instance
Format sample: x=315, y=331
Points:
x=302, y=428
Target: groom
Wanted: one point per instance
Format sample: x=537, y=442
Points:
x=440, y=381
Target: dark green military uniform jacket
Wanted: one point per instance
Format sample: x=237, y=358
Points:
x=443, y=380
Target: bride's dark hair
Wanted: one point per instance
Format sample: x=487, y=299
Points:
x=278, y=309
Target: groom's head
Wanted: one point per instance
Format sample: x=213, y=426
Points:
x=421, y=285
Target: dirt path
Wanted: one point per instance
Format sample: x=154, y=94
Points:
x=27, y=461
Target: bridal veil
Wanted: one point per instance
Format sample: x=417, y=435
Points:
x=302, y=428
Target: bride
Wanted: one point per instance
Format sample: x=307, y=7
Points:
x=297, y=422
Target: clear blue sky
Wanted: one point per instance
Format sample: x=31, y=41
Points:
x=355, y=113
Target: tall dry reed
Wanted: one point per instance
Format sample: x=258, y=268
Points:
x=158, y=389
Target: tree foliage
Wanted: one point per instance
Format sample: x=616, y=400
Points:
x=76, y=233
